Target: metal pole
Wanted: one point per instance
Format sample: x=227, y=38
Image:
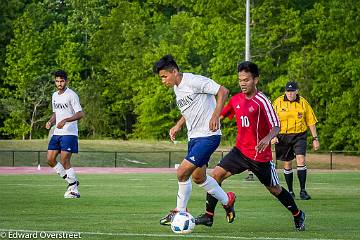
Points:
x=247, y=32
x=331, y=160
x=169, y=159
x=13, y=158
x=115, y=158
x=38, y=158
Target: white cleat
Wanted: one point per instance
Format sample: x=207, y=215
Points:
x=72, y=191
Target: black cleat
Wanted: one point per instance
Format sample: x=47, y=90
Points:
x=292, y=194
x=304, y=195
x=229, y=208
x=168, y=218
x=204, y=219
x=300, y=221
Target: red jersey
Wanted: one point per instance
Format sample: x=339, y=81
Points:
x=255, y=118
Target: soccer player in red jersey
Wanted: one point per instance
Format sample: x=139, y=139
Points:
x=257, y=124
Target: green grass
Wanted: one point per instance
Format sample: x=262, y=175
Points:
x=129, y=206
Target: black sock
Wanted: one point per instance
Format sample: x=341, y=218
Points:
x=301, y=173
x=287, y=200
x=289, y=175
x=210, y=204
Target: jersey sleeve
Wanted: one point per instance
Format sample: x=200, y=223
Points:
x=205, y=85
x=310, y=117
x=276, y=104
x=52, y=103
x=268, y=110
x=228, y=110
x=75, y=103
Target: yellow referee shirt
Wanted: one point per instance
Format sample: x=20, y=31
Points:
x=296, y=116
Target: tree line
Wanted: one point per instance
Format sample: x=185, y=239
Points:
x=108, y=48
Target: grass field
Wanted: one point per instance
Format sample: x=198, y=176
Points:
x=129, y=206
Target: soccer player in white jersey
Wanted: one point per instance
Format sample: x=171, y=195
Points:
x=195, y=97
x=66, y=112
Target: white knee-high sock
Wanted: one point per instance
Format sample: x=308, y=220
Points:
x=71, y=175
x=183, y=196
x=212, y=187
x=59, y=169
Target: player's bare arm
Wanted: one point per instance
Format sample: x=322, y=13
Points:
x=51, y=121
x=76, y=116
x=264, y=143
x=222, y=94
x=174, y=130
x=316, y=144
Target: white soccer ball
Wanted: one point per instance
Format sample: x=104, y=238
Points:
x=183, y=223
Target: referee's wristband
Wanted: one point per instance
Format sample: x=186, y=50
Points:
x=316, y=138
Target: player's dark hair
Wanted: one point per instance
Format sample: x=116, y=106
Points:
x=167, y=63
x=61, y=74
x=250, y=67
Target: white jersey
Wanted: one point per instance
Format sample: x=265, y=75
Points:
x=195, y=97
x=66, y=105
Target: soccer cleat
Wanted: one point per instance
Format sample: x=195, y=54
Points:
x=304, y=195
x=72, y=190
x=204, y=219
x=292, y=194
x=229, y=208
x=250, y=178
x=300, y=221
x=168, y=218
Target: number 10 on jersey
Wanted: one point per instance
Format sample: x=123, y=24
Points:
x=244, y=121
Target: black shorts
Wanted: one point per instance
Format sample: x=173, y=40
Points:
x=290, y=145
x=235, y=162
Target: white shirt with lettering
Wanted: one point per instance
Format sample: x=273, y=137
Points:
x=66, y=105
x=195, y=97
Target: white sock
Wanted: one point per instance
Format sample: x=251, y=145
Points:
x=71, y=175
x=213, y=188
x=183, y=196
x=59, y=169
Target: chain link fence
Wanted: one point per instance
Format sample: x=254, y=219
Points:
x=339, y=160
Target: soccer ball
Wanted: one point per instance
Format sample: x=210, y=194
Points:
x=183, y=223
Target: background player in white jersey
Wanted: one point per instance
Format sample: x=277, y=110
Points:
x=66, y=111
x=195, y=97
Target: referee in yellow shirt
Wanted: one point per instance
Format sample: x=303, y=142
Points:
x=296, y=116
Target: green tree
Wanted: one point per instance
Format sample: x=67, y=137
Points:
x=334, y=71
x=39, y=47
x=118, y=48
x=9, y=11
